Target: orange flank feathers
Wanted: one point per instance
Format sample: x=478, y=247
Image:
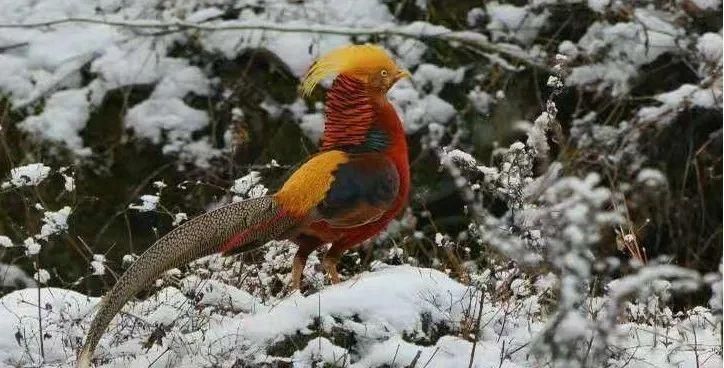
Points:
x=308, y=186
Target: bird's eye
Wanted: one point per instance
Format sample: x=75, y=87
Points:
x=383, y=73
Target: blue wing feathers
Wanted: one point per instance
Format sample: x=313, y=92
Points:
x=368, y=180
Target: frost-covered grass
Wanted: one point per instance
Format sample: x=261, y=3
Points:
x=566, y=161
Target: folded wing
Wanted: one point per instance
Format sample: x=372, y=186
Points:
x=363, y=189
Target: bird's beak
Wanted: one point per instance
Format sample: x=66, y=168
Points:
x=402, y=74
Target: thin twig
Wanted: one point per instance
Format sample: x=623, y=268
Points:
x=413, y=363
x=40, y=317
x=477, y=328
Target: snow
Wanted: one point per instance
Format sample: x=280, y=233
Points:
x=707, y=4
x=618, y=49
x=68, y=182
x=181, y=80
x=537, y=135
x=42, y=276
x=52, y=49
x=248, y=186
x=244, y=184
x=32, y=247
x=320, y=350
x=29, y=175
x=19, y=344
x=313, y=126
x=651, y=177
x=418, y=110
x=599, y=6
x=148, y=203
x=459, y=156
x=5, y=242
x=222, y=323
x=686, y=95
x=204, y=14
x=63, y=117
x=568, y=48
x=513, y=22
x=54, y=222
x=98, y=264
x=159, y=184
x=16, y=77
x=409, y=51
x=435, y=77
x=294, y=48
x=199, y=153
x=12, y=276
x=709, y=46
x=481, y=100
x=179, y=218
x=151, y=118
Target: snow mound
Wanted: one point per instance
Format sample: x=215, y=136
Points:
x=391, y=316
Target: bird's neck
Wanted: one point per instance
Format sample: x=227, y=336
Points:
x=359, y=119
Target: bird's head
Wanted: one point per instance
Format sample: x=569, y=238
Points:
x=369, y=64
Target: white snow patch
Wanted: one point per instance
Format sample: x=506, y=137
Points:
x=319, y=351
x=510, y=22
x=54, y=222
x=248, y=186
x=148, y=203
x=151, y=118
x=651, y=177
x=5, y=242
x=619, y=49
x=599, y=6
x=98, y=264
x=12, y=276
x=32, y=247
x=435, y=77
x=29, y=175
x=709, y=46
x=707, y=4
x=417, y=111
x=179, y=218
x=481, y=100
x=64, y=116
x=42, y=276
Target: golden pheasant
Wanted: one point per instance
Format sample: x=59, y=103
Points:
x=343, y=195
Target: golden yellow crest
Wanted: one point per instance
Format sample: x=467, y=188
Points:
x=352, y=59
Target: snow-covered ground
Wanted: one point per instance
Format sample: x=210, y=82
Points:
x=388, y=317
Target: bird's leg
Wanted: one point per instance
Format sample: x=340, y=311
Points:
x=307, y=245
x=297, y=267
x=330, y=262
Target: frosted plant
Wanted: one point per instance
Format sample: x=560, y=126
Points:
x=570, y=218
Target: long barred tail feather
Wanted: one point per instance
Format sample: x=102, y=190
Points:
x=255, y=220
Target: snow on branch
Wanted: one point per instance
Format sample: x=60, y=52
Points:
x=415, y=30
